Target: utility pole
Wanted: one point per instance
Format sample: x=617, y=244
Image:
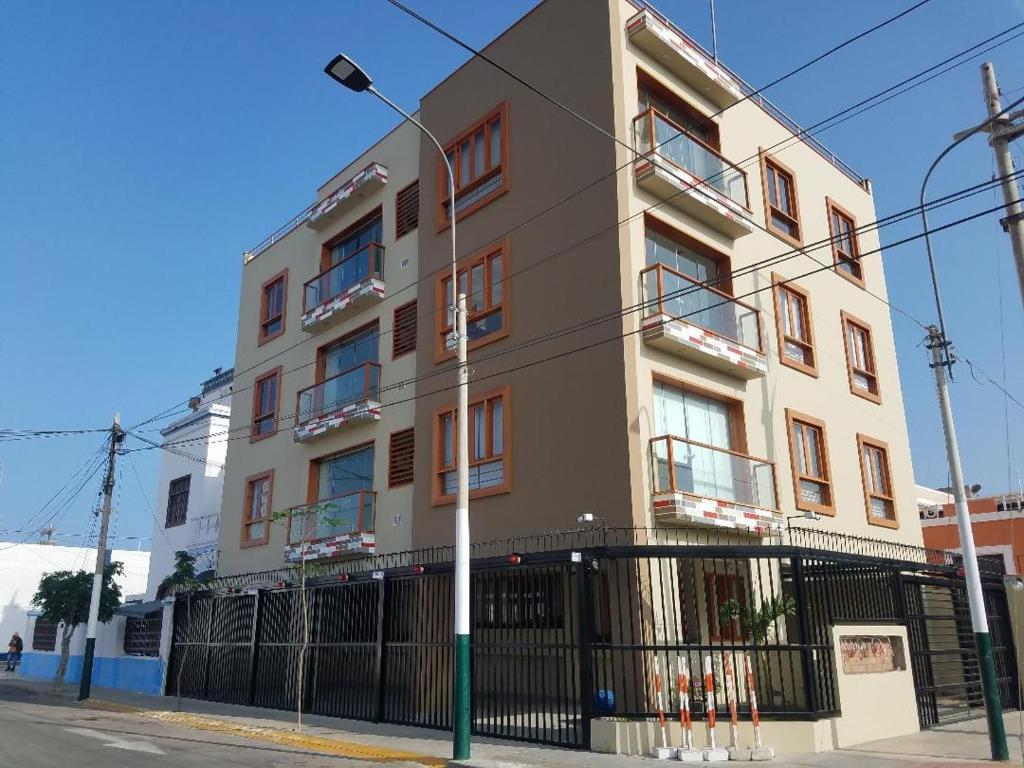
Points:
x=1002, y=130
x=941, y=358
x=116, y=436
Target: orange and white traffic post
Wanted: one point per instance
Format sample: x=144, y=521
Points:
x=760, y=752
x=683, y=685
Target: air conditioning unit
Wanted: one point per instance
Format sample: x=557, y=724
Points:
x=930, y=513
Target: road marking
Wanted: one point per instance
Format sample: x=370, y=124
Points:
x=117, y=742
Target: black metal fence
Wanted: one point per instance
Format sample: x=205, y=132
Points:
x=565, y=635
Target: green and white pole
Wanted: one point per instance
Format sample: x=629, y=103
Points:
x=463, y=688
x=975, y=596
x=462, y=705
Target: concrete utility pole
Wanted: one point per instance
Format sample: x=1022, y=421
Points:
x=1002, y=130
x=941, y=358
x=116, y=436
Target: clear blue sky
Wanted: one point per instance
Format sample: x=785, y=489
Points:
x=144, y=146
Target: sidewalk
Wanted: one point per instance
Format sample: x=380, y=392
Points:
x=959, y=745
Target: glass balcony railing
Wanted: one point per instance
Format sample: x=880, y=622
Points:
x=333, y=394
x=696, y=469
x=653, y=132
x=358, y=266
x=328, y=518
x=668, y=292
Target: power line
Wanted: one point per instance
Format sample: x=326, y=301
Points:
x=175, y=409
x=894, y=218
x=641, y=329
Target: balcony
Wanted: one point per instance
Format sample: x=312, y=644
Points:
x=694, y=321
x=369, y=180
x=699, y=485
x=689, y=175
x=350, y=397
x=653, y=35
x=345, y=289
x=333, y=527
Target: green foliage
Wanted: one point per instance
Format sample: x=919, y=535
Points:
x=759, y=622
x=64, y=596
x=183, y=577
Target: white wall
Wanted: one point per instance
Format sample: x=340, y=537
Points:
x=208, y=426
x=23, y=565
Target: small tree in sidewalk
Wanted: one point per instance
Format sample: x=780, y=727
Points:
x=182, y=579
x=63, y=597
x=300, y=516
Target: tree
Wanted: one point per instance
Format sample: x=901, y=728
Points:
x=182, y=579
x=63, y=597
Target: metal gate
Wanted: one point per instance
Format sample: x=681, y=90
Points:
x=380, y=648
x=943, y=656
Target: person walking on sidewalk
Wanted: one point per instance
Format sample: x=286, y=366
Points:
x=14, y=649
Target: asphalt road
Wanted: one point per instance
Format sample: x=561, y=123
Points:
x=39, y=730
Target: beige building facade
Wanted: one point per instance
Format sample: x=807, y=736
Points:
x=680, y=328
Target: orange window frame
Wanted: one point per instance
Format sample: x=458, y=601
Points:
x=407, y=209
x=801, y=299
x=457, y=148
x=404, y=328
x=465, y=267
x=851, y=327
x=804, y=450
x=441, y=467
x=248, y=521
x=847, y=256
x=769, y=184
x=401, y=457
x=865, y=445
x=257, y=414
x=265, y=318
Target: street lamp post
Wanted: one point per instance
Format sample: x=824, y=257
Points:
x=348, y=73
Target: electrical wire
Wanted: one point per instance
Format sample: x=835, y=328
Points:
x=145, y=497
x=817, y=128
x=641, y=329
x=621, y=312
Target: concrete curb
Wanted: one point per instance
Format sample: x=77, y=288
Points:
x=277, y=736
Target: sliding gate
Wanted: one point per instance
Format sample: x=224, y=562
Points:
x=943, y=657
x=380, y=649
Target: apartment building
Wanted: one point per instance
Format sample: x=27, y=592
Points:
x=645, y=341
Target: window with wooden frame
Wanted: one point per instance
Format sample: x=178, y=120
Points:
x=781, y=204
x=652, y=94
x=177, y=501
x=877, y=478
x=259, y=493
x=845, y=249
x=490, y=470
x=812, y=474
x=482, y=279
x=266, y=404
x=401, y=452
x=719, y=589
x=407, y=209
x=403, y=331
x=479, y=160
x=793, y=323
x=860, y=358
x=272, y=307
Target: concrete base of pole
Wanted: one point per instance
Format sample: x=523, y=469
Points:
x=759, y=754
x=664, y=753
x=715, y=754
x=85, y=684
x=690, y=755
x=739, y=754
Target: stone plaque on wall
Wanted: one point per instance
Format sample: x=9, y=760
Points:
x=871, y=654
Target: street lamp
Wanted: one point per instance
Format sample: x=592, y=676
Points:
x=345, y=71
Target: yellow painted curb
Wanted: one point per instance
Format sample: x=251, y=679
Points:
x=274, y=735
